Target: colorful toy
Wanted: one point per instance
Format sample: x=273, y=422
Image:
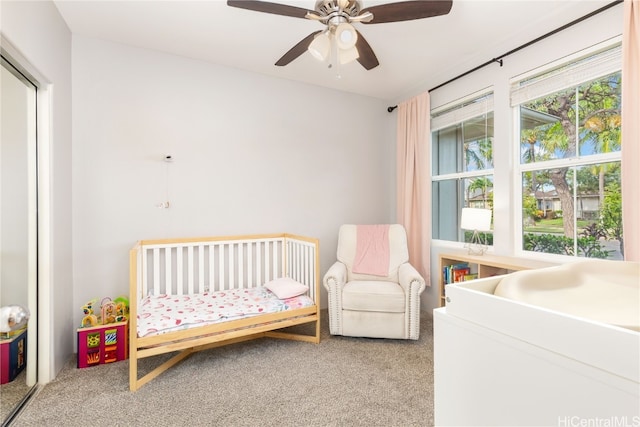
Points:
x=111, y=311
x=13, y=318
x=114, y=311
x=122, y=308
x=108, y=310
x=89, y=318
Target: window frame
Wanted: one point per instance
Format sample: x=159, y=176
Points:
x=458, y=117
x=573, y=162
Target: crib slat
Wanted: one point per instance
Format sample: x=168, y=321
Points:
x=231, y=266
x=297, y=264
x=145, y=275
x=212, y=270
x=298, y=258
x=179, y=270
x=190, y=269
x=314, y=259
x=310, y=258
x=275, y=272
x=141, y=274
x=200, y=269
x=250, y=247
x=221, y=263
x=241, y=247
x=259, y=257
x=267, y=263
x=156, y=271
x=291, y=260
x=305, y=265
x=288, y=260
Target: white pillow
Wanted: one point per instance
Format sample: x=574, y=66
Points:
x=286, y=287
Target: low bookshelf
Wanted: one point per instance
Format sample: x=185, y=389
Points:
x=461, y=266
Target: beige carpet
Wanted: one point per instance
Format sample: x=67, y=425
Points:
x=12, y=393
x=340, y=382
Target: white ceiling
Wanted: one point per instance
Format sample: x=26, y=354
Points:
x=414, y=55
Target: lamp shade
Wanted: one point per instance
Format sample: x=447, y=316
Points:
x=347, y=55
x=346, y=36
x=320, y=45
x=476, y=219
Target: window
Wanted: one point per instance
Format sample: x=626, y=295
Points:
x=462, y=163
x=569, y=122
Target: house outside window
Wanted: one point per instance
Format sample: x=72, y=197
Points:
x=569, y=127
x=462, y=163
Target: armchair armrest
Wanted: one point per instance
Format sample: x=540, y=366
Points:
x=410, y=279
x=336, y=275
x=413, y=284
x=334, y=280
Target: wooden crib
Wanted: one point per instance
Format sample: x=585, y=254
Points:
x=197, y=265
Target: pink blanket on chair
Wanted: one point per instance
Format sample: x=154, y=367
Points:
x=372, y=250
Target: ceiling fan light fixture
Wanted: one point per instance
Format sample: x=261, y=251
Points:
x=338, y=15
x=348, y=55
x=346, y=36
x=320, y=46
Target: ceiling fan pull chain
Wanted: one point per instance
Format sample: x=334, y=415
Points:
x=335, y=56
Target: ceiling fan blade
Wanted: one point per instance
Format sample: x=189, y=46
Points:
x=408, y=10
x=297, y=50
x=268, y=7
x=367, y=58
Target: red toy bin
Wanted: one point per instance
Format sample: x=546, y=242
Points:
x=13, y=356
x=103, y=344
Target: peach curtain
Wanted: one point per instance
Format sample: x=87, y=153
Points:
x=414, y=179
x=631, y=130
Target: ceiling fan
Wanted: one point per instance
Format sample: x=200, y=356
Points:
x=340, y=39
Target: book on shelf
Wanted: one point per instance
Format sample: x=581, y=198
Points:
x=460, y=273
x=455, y=272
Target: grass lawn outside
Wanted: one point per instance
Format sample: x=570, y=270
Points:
x=553, y=226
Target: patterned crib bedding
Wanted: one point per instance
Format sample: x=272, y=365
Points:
x=158, y=314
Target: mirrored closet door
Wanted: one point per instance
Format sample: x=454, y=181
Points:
x=18, y=239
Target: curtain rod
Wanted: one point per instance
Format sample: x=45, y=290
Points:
x=498, y=59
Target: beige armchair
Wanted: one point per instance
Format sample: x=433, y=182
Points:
x=363, y=305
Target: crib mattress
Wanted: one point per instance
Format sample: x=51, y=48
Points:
x=158, y=314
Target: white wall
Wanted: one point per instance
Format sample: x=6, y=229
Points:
x=594, y=30
x=252, y=154
x=43, y=41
